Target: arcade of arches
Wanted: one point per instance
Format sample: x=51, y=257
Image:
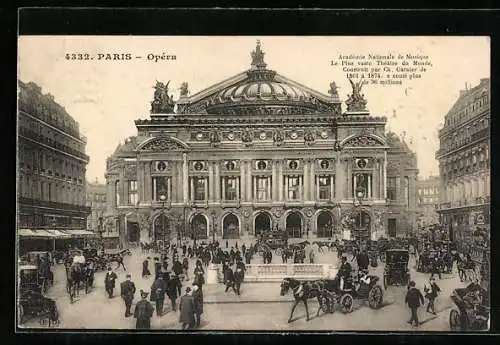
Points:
x=161, y=227
x=294, y=225
x=325, y=224
x=362, y=225
x=230, y=227
x=262, y=223
x=199, y=227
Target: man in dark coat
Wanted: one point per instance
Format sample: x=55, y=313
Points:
x=362, y=260
x=127, y=292
x=174, y=287
x=243, y=249
x=158, y=294
x=177, y=267
x=198, y=304
x=109, y=282
x=344, y=271
x=186, y=308
x=414, y=299
x=157, y=267
x=145, y=268
x=238, y=276
x=185, y=268
x=143, y=312
x=229, y=279
x=436, y=267
x=248, y=257
x=184, y=249
x=431, y=294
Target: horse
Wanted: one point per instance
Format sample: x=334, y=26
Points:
x=466, y=269
x=302, y=291
x=118, y=258
x=75, y=275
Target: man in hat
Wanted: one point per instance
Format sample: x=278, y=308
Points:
x=157, y=267
x=174, y=287
x=431, y=294
x=344, y=271
x=414, y=299
x=158, y=294
x=127, y=292
x=198, y=303
x=143, y=312
x=239, y=271
x=109, y=282
x=145, y=268
x=186, y=308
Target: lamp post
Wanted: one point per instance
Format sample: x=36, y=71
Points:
x=163, y=198
x=213, y=226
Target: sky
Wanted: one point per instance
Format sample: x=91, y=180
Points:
x=106, y=96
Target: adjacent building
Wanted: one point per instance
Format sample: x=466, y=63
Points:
x=428, y=201
x=51, y=164
x=464, y=165
x=96, y=200
x=256, y=152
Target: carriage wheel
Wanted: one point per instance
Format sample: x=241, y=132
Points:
x=455, y=320
x=375, y=297
x=347, y=303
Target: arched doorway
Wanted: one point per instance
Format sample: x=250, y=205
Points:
x=230, y=227
x=133, y=233
x=294, y=225
x=325, y=224
x=199, y=227
x=262, y=223
x=161, y=228
x=362, y=226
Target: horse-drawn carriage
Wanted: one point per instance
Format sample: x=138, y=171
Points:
x=271, y=241
x=329, y=292
x=471, y=311
x=31, y=302
x=396, y=271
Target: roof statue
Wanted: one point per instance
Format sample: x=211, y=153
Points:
x=162, y=103
x=258, y=58
x=184, y=89
x=356, y=100
x=333, y=89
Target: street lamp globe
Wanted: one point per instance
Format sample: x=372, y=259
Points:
x=163, y=196
x=360, y=192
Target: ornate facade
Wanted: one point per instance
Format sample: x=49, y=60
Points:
x=464, y=165
x=96, y=200
x=252, y=153
x=51, y=164
x=428, y=200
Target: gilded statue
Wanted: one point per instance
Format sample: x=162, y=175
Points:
x=356, y=100
x=162, y=102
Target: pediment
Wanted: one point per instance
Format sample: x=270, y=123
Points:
x=364, y=140
x=162, y=143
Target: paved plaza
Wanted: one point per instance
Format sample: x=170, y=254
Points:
x=260, y=306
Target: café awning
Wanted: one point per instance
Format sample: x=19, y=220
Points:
x=41, y=234
x=79, y=233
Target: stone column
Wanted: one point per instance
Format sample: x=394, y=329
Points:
x=349, y=179
x=339, y=179
x=217, y=182
x=312, y=180
x=238, y=189
x=211, y=181
x=369, y=186
x=206, y=189
x=249, y=181
x=147, y=184
x=254, y=194
x=301, y=188
x=274, y=183
x=286, y=188
x=140, y=181
x=243, y=193
x=384, y=171
x=173, y=182
x=376, y=180
x=185, y=179
x=280, y=181
x=305, y=192
x=332, y=191
x=191, y=189
x=223, y=189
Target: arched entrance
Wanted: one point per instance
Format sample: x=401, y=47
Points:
x=325, y=224
x=161, y=228
x=133, y=233
x=262, y=223
x=199, y=227
x=294, y=225
x=362, y=226
x=230, y=227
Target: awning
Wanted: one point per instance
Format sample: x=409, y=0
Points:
x=42, y=234
x=79, y=233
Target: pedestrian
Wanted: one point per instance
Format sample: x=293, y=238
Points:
x=158, y=294
x=109, y=282
x=190, y=252
x=198, y=304
x=143, y=312
x=344, y=271
x=184, y=249
x=174, y=287
x=243, y=249
x=239, y=273
x=236, y=245
x=157, y=267
x=362, y=260
x=199, y=272
x=145, y=268
x=185, y=268
x=227, y=244
x=127, y=292
x=414, y=299
x=229, y=279
x=248, y=257
x=436, y=267
x=311, y=256
x=431, y=294
x=186, y=308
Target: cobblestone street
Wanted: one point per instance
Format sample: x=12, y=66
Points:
x=260, y=307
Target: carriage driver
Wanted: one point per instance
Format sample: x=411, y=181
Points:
x=344, y=271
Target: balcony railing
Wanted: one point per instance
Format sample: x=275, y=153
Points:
x=53, y=205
